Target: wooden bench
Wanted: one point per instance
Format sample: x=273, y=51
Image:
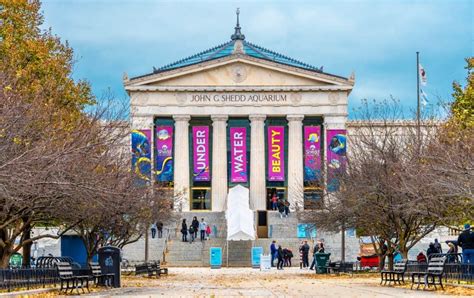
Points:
x=69, y=281
x=432, y=276
x=151, y=269
x=106, y=279
x=397, y=275
x=338, y=267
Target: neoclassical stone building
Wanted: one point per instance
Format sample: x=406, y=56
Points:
x=238, y=113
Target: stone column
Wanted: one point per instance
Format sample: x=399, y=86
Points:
x=257, y=163
x=295, y=161
x=181, y=162
x=219, y=162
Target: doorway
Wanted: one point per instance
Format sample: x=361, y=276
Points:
x=280, y=192
x=262, y=224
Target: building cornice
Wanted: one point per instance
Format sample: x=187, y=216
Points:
x=237, y=88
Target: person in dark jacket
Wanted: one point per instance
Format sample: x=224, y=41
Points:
x=466, y=242
x=273, y=252
x=195, y=224
x=191, y=233
x=184, y=230
x=431, y=250
x=318, y=248
x=159, y=227
x=280, y=258
x=281, y=209
x=287, y=255
x=437, y=246
x=305, y=254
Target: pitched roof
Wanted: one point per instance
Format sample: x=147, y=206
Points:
x=228, y=48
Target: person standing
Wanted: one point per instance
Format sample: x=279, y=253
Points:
x=202, y=229
x=208, y=232
x=274, y=201
x=153, y=230
x=466, y=242
x=287, y=255
x=184, y=230
x=273, y=252
x=159, y=227
x=280, y=258
x=437, y=247
x=301, y=254
x=281, y=208
x=191, y=233
x=315, y=250
x=431, y=251
x=306, y=249
x=287, y=208
x=195, y=224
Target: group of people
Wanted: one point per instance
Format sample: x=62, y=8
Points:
x=157, y=227
x=304, y=254
x=283, y=207
x=465, y=241
x=283, y=255
x=196, y=226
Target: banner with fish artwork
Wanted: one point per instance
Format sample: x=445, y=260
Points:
x=238, y=154
x=201, y=153
x=141, y=155
x=336, y=143
x=276, y=153
x=312, y=153
x=164, y=153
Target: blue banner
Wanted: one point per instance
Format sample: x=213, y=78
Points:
x=306, y=231
x=215, y=255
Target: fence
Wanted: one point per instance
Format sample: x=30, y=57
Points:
x=26, y=278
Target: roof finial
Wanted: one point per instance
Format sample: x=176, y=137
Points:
x=237, y=34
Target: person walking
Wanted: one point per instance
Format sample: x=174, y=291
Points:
x=274, y=201
x=281, y=208
x=159, y=227
x=153, y=230
x=305, y=254
x=184, y=230
x=466, y=242
x=287, y=208
x=202, y=229
x=280, y=258
x=273, y=252
x=195, y=224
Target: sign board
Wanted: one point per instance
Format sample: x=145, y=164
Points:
x=306, y=231
x=256, y=253
x=265, y=262
x=16, y=260
x=215, y=255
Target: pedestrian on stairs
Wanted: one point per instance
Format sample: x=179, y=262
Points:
x=184, y=230
x=274, y=201
x=202, y=229
x=191, y=233
x=281, y=209
x=208, y=232
x=195, y=224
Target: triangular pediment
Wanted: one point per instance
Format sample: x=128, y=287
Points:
x=239, y=70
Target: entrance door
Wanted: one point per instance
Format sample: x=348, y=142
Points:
x=280, y=193
x=201, y=198
x=262, y=224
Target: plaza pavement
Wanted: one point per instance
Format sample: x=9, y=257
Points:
x=291, y=282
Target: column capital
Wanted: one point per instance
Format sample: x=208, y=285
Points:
x=257, y=117
x=182, y=117
x=295, y=117
x=219, y=117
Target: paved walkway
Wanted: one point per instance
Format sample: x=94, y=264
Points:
x=251, y=282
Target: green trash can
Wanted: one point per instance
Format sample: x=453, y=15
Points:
x=322, y=262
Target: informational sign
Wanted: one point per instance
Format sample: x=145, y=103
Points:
x=257, y=252
x=265, y=262
x=276, y=155
x=238, y=154
x=351, y=232
x=312, y=153
x=215, y=255
x=16, y=260
x=141, y=154
x=164, y=153
x=336, y=143
x=201, y=153
x=306, y=231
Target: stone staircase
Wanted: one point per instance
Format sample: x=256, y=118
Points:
x=282, y=228
x=135, y=252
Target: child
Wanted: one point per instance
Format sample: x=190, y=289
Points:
x=208, y=231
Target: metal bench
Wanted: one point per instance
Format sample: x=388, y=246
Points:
x=151, y=269
x=69, y=281
x=432, y=276
x=98, y=277
x=397, y=275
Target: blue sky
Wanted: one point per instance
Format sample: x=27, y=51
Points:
x=376, y=39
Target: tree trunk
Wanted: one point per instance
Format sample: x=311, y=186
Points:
x=5, y=258
x=390, y=261
x=26, y=235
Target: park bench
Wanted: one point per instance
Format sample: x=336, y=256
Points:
x=70, y=281
x=100, y=278
x=395, y=275
x=338, y=267
x=432, y=276
x=151, y=269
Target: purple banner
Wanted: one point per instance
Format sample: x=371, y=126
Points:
x=336, y=144
x=276, y=156
x=201, y=153
x=141, y=155
x=238, y=154
x=312, y=153
x=164, y=153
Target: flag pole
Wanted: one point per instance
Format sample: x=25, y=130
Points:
x=418, y=94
